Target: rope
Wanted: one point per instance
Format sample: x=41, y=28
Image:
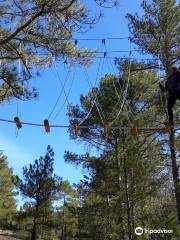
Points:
x=113, y=57
x=85, y=127
x=96, y=103
x=95, y=100
x=109, y=63
x=99, y=39
x=19, y=76
x=114, y=85
x=125, y=93
x=62, y=106
x=161, y=97
x=63, y=89
x=60, y=94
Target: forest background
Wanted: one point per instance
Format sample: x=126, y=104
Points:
x=124, y=177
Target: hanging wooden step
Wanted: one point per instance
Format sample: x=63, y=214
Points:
x=18, y=122
x=46, y=125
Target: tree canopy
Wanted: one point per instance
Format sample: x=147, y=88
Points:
x=33, y=33
x=157, y=31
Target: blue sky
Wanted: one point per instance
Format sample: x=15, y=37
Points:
x=31, y=142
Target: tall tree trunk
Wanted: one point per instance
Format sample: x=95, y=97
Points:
x=119, y=163
x=63, y=229
x=132, y=202
x=127, y=201
x=128, y=204
x=34, y=231
x=175, y=172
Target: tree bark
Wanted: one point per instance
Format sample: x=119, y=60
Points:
x=63, y=229
x=128, y=204
x=175, y=172
x=34, y=231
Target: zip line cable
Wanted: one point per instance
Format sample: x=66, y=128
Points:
x=19, y=78
x=125, y=92
x=121, y=51
x=75, y=40
x=159, y=75
x=97, y=77
x=114, y=85
x=68, y=93
x=100, y=39
x=119, y=96
x=99, y=108
x=130, y=122
x=116, y=90
x=95, y=103
x=89, y=112
x=118, y=57
x=61, y=83
x=59, y=97
x=109, y=64
x=94, y=100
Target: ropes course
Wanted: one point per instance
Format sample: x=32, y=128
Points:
x=95, y=96
x=122, y=95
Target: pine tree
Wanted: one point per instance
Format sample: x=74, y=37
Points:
x=7, y=194
x=66, y=217
x=125, y=178
x=157, y=33
x=40, y=185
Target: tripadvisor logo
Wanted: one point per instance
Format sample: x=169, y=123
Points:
x=140, y=231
